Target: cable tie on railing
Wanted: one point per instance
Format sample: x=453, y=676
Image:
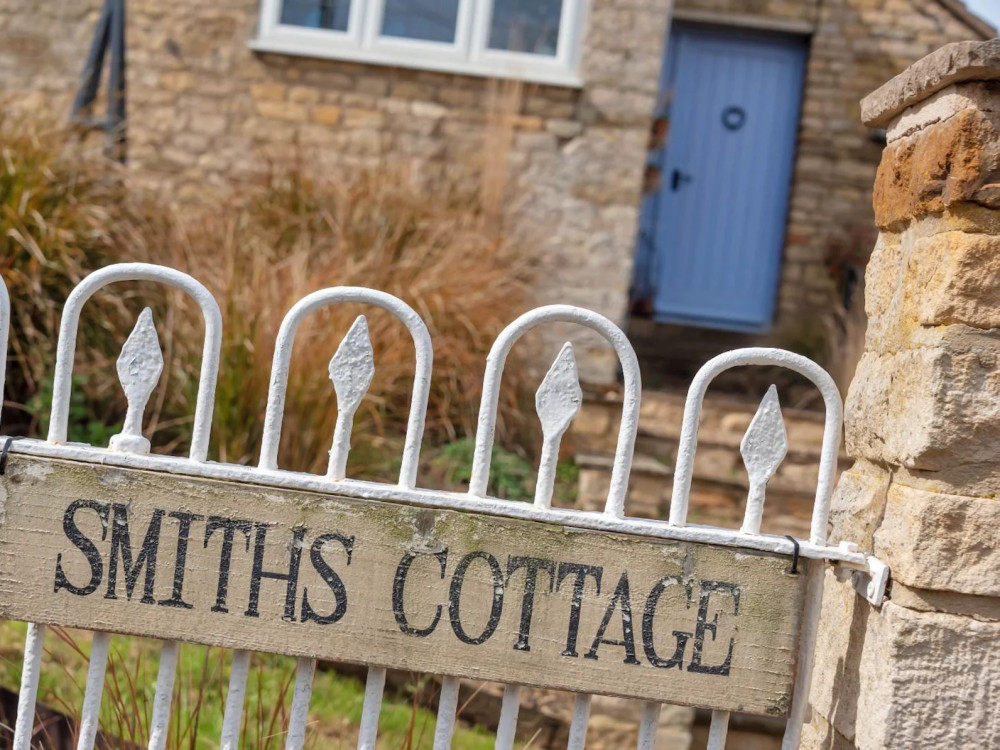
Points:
x=4, y=451
x=795, y=554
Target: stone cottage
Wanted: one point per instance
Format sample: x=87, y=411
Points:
x=696, y=162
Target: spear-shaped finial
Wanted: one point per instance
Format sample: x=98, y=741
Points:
x=351, y=370
x=139, y=367
x=557, y=402
x=763, y=449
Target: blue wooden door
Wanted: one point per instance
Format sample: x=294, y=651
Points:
x=715, y=228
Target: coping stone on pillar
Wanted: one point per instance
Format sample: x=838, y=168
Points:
x=953, y=63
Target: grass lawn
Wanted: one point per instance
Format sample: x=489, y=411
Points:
x=199, y=695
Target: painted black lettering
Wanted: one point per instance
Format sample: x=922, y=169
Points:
x=85, y=545
x=291, y=578
x=580, y=573
x=330, y=577
x=399, y=584
x=183, y=537
x=532, y=566
x=702, y=626
x=229, y=528
x=121, y=544
x=455, y=596
x=621, y=598
x=649, y=615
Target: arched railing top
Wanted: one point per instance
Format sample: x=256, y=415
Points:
x=486, y=427
x=70, y=324
x=831, y=433
x=282, y=361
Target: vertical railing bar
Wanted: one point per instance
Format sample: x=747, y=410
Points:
x=4, y=337
x=90, y=713
x=232, y=716
x=507, y=726
x=374, y=687
x=446, y=715
x=159, y=724
x=298, y=718
x=409, y=466
x=807, y=648
x=578, y=724
x=649, y=722
x=24, y=725
x=486, y=428
x=718, y=730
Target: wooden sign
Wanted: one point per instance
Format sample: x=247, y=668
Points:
x=404, y=587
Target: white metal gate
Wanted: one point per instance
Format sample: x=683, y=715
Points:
x=351, y=369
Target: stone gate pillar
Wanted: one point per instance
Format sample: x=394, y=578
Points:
x=923, y=422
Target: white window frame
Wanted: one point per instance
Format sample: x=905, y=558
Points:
x=469, y=54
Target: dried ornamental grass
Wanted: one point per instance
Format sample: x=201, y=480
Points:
x=441, y=252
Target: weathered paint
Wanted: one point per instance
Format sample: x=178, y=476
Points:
x=431, y=590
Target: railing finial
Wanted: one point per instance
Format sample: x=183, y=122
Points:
x=557, y=402
x=139, y=369
x=351, y=371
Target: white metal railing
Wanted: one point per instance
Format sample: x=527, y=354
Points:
x=351, y=369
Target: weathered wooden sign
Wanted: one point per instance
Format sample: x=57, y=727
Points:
x=431, y=590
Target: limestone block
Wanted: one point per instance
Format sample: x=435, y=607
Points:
x=983, y=95
x=326, y=115
x=937, y=167
x=281, y=110
x=953, y=63
x=858, y=504
x=269, y=91
x=363, y=118
x=883, y=276
x=899, y=678
x=957, y=280
x=915, y=283
x=932, y=408
x=941, y=542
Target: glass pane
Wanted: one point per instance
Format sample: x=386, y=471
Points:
x=430, y=20
x=526, y=26
x=316, y=14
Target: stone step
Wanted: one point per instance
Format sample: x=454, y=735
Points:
x=717, y=500
x=724, y=421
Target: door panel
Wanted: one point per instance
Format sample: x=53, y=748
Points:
x=718, y=221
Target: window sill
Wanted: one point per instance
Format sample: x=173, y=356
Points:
x=531, y=73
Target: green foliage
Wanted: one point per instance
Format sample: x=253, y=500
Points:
x=512, y=477
x=199, y=696
x=83, y=426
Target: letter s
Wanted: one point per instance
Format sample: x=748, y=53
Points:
x=85, y=545
x=330, y=577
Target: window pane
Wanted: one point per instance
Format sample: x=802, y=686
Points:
x=316, y=14
x=526, y=26
x=431, y=20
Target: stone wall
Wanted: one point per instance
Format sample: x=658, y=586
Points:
x=207, y=112
x=204, y=110
x=922, y=421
